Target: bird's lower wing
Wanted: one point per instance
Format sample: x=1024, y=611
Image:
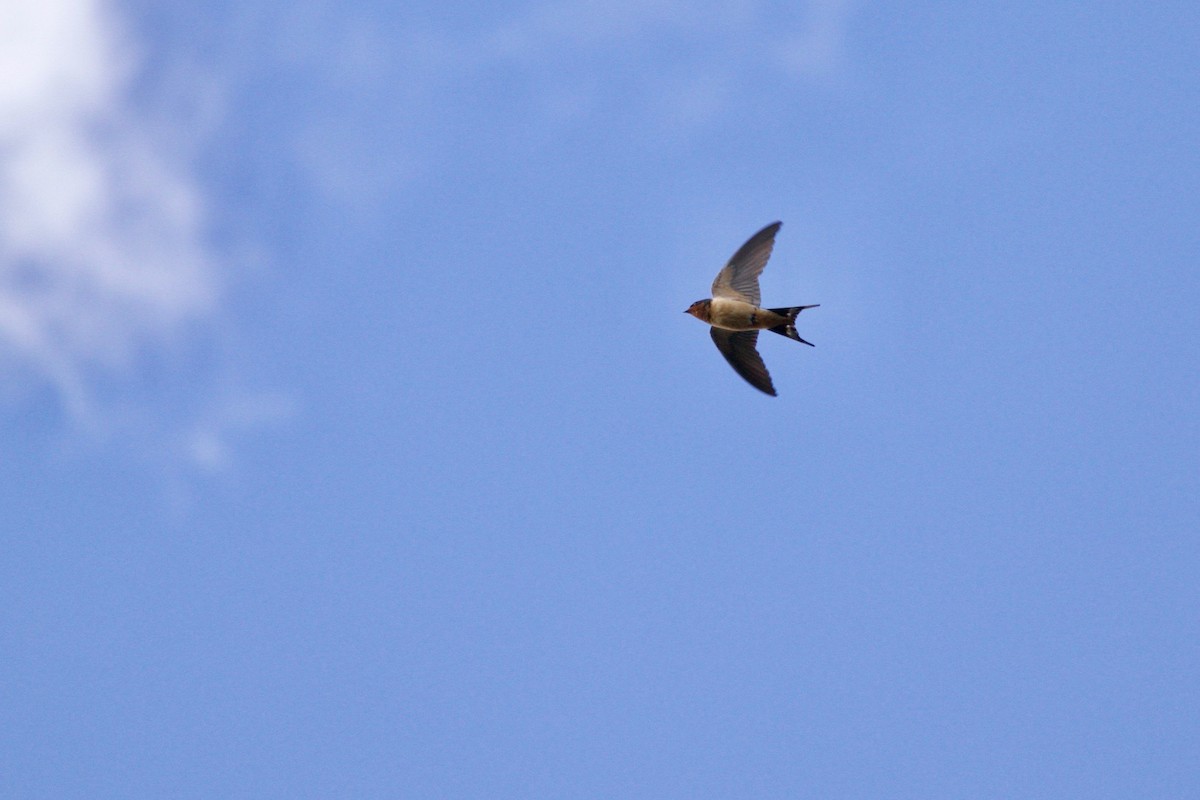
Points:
x=741, y=351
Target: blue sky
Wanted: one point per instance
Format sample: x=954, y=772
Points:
x=355, y=444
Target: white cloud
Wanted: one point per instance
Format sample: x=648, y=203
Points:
x=102, y=253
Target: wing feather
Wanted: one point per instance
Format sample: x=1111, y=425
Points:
x=738, y=280
x=740, y=350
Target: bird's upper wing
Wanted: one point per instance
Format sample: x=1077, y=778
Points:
x=740, y=351
x=739, y=279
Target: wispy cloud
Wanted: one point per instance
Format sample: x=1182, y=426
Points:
x=102, y=251
x=206, y=442
x=815, y=47
x=570, y=29
x=679, y=59
x=381, y=90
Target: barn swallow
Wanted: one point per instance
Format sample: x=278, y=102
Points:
x=735, y=315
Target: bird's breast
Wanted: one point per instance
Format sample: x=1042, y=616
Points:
x=734, y=315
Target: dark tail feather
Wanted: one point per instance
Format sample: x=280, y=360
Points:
x=793, y=312
x=789, y=329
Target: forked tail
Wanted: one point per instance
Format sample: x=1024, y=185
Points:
x=788, y=329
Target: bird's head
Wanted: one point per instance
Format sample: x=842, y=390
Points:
x=699, y=309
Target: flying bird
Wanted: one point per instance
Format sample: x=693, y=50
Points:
x=735, y=315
